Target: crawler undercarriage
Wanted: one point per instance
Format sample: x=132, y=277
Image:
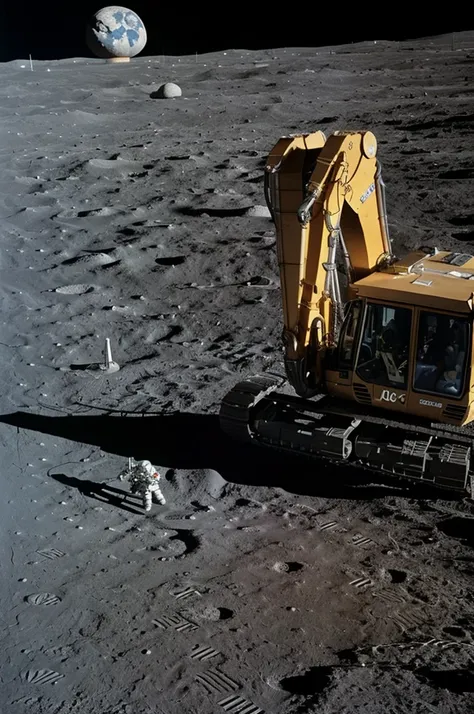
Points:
x=255, y=412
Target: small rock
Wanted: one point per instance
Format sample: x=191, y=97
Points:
x=167, y=91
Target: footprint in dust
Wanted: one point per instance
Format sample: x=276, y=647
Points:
x=43, y=599
x=41, y=676
x=58, y=651
x=51, y=553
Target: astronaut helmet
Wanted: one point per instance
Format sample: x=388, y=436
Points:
x=146, y=465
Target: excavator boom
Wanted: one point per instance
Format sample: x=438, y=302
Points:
x=324, y=195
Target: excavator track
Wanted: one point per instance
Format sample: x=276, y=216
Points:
x=255, y=412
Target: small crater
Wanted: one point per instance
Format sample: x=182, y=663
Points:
x=397, y=576
x=243, y=502
x=172, y=548
x=454, y=631
x=95, y=259
x=80, y=289
x=463, y=220
x=327, y=120
x=314, y=681
x=188, y=538
x=294, y=566
x=258, y=280
x=454, y=680
x=287, y=567
x=457, y=174
x=217, y=212
x=465, y=235
x=280, y=567
x=199, y=507
x=348, y=656
x=214, y=614
x=95, y=212
x=178, y=157
x=176, y=260
x=458, y=527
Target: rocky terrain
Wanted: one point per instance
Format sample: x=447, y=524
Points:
x=264, y=584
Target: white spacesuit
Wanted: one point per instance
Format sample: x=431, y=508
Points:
x=144, y=479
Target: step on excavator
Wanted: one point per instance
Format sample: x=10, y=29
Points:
x=377, y=350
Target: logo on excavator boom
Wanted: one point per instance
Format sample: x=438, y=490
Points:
x=388, y=396
x=366, y=195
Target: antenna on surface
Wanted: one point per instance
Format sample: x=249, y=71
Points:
x=109, y=365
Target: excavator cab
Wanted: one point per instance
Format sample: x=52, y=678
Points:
x=404, y=358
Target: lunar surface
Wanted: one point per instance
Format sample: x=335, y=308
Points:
x=265, y=584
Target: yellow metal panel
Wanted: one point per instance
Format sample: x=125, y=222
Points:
x=427, y=290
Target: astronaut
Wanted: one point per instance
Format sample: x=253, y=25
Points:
x=143, y=479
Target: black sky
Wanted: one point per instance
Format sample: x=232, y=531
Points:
x=51, y=32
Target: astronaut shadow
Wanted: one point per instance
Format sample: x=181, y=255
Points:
x=100, y=491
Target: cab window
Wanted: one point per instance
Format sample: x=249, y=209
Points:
x=384, y=350
x=441, y=354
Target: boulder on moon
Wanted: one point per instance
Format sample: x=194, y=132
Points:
x=115, y=32
x=167, y=91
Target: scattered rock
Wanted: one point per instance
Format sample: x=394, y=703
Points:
x=169, y=90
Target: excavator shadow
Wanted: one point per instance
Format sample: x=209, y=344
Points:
x=195, y=441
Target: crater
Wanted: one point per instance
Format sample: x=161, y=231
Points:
x=462, y=220
x=314, y=681
x=287, y=567
x=454, y=680
x=465, y=235
x=458, y=527
x=79, y=289
x=457, y=174
x=217, y=212
x=454, y=631
x=175, y=260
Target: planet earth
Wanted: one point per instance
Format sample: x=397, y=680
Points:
x=115, y=31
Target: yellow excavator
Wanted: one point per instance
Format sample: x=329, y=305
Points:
x=377, y=349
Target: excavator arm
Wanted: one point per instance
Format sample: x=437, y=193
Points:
x=323, y=195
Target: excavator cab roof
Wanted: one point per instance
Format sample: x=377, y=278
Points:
x=443, y=280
